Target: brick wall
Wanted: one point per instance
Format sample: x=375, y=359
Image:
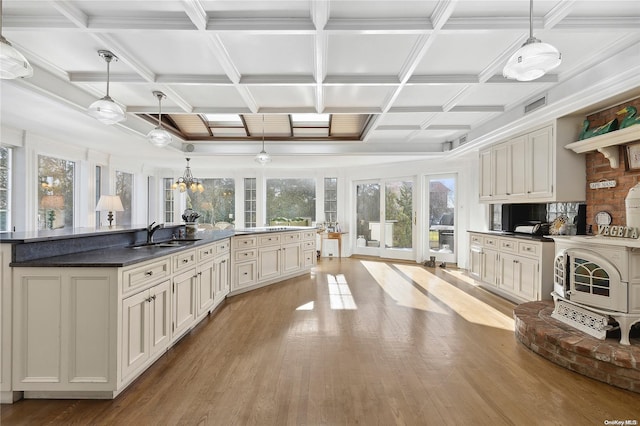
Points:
x=598, y=168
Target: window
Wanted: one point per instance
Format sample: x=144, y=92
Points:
x=98, y=192
x=250, y=202
x=216, y=203
x=331, y=199
x=124, y=188
x=169, y=200
x=55, y=193
x=5, y=189
x=291, y=199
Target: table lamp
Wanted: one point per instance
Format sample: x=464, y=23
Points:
x=109, y=203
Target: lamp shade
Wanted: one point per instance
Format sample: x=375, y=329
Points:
x=106, y=111
x=109, y=203
x=159, y=137
x=12, y=63
x=263, y=157
x=533, y=60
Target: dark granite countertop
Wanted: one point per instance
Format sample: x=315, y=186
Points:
x=541, y=238
x=67, y=233
x=125, y=255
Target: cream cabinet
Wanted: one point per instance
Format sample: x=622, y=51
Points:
x=146, y=327
x=533, y=167
x=222, y=278
x=263, y=259
x=183, y=297
x=516, y=268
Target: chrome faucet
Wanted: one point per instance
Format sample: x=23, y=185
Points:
x=151, y=229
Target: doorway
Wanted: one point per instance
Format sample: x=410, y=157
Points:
x=441, y=207
x=385, y=218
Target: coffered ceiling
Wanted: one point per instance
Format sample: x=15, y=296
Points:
x=425, y=75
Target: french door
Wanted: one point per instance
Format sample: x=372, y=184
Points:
x=385, y=218
x=441, y=196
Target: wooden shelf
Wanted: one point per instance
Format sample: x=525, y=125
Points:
x=607, y=144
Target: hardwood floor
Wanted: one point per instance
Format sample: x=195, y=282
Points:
x=357, y=342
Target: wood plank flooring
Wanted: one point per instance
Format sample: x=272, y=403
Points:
x=357, y=341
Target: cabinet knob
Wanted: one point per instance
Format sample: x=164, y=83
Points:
x=224, y=261
x=185, y=260
x=246, y=273
x=148, y=273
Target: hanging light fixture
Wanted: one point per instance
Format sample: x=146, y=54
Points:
x=263, y=158
x=12, y=63
x=159, y=136
x=534, y=59
x=187, y=181
x=105, y=110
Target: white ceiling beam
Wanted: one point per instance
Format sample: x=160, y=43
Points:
x=442, y=13
x=378, y=26
x=320, y=16
x=72, y=13
x=558, y=13
x=277, y=80
x=361, y=80
x=438, y=79
x=134, y=23
x=500, y=79
x=195, y=11
x=296, y=26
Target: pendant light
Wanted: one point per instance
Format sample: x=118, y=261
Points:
x=534, y=59
x=105, y=110
x=159, y=136
x=263, y=158
x=188, y=181
x=12, y=63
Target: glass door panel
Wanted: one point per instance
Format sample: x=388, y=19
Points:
x=441, y=205
x=398, y=213
x=368, y=232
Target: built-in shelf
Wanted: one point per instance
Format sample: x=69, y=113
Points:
x=607, y=144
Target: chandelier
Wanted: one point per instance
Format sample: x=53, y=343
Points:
x=187, y=181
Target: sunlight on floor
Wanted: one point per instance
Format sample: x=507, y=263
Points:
x=399, y=290
x=465, y=305
x=306, y=307
x=397, y=286
x=339, y=293
x=461, y=275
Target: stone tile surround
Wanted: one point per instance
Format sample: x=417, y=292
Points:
x=604, y=360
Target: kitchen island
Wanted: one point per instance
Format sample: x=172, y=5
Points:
x=84, y=313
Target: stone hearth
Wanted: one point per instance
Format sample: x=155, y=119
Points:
x=605, y=360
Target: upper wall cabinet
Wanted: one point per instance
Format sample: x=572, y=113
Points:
x=534, y=167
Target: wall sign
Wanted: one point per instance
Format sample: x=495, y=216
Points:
x=618, y=231
x=602, y=184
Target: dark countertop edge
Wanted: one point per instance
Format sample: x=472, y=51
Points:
x=65, y=234
x=132, y=257
x=541, y=238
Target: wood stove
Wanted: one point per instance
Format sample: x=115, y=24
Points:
x=596, y=279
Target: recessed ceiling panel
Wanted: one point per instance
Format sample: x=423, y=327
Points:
x=270, y=54
x=502, y=8
x=368, y=54
x=499, y=94
x=413, y=118
x=293, y=97
x=263, y=9
x=211, y=96
x=432, y=95
x=365, y=9
x=355, y=97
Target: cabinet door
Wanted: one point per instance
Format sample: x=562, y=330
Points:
x=486, y=179
x=245, y=274
x=475, y=262
x=489, y=266
x=529, y=277
x=509, y=272
x=184, y=313
x=135, y=332
x=517, y=167
x=291, y=258
x=160, y=317
x=540, y=164
x=269, y=262
x=223, y=279
x=501, y=169
x=206, y=286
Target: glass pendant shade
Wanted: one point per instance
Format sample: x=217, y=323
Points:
x=12, y=63
x=263, y=158
x=159, y=137
x=533, y=60
x=106, y=111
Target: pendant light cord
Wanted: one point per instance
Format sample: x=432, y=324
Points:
x=159, y=111
x=530, y=18
x=263, y=132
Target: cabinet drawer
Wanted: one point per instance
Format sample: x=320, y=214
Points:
x=241, y=255
x=476, y=239
x=291, y=237
x=139, y=276
x=184, y=260
x=490, y=242
x=309, y=245
x=529, y=249
x=206, y=252
x=508, y=246
x=245, y=242
x=269, y=239
x=309, y=258
x=309, y=235
x=222, y=247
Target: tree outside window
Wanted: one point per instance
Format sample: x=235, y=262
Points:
x=124, y=188
x=291, y=199
x=55, y=192
x=5, y=189
x=216, y=203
